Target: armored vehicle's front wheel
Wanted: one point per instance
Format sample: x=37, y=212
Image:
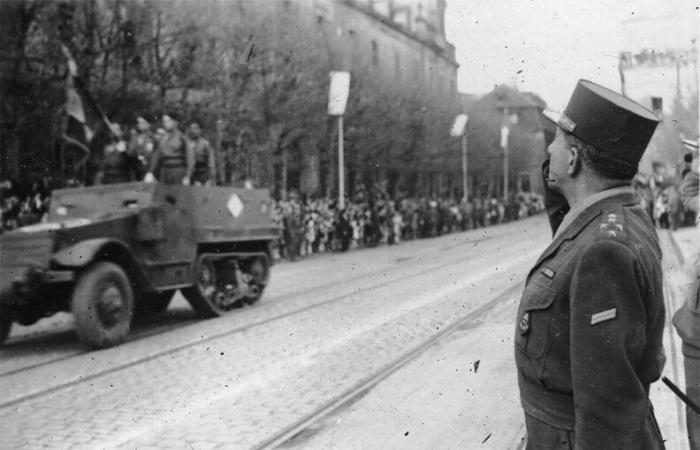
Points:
x=103, y=304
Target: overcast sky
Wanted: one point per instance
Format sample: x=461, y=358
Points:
x=546, y=45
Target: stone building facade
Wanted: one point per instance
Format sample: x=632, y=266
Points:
x=400, y=46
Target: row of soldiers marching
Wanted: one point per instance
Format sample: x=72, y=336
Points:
x=168, y=155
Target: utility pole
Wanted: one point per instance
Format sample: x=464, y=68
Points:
x=465, y=176
x=459, y=129
x=505, y=132
x=337, y=101
x=341, y=166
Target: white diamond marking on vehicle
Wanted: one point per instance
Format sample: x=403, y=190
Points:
x=235, y=205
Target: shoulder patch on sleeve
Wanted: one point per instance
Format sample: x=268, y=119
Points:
x=603, y=316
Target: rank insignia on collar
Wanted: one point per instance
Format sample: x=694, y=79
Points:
x=611, y=228
x=524, y=323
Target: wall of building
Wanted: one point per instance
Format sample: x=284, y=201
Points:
x=401, y=46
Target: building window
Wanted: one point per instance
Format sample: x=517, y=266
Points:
x=375, y=53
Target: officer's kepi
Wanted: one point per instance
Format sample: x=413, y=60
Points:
x=608, y=121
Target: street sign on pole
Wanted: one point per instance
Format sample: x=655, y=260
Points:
x=504, y=143
x=504, y=136
x=338, y=93
x=337, y=101
x=459, y=125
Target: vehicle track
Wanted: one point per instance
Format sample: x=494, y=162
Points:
x=418, y=268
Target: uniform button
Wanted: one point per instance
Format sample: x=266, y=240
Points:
x=525, y=323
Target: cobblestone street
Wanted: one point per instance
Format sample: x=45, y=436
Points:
x=331, y=332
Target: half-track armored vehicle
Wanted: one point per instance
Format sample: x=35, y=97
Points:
x=109, y=252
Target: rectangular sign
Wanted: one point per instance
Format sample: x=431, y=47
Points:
x=504, y=136
x=459, y=126
x=338, y=93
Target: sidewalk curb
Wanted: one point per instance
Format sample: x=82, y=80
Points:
x=674, y=363
x=676, y=248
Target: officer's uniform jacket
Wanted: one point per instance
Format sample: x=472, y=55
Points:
x=588, y=340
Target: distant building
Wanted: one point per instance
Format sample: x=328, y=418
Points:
x=529, y=133
x=659, y=69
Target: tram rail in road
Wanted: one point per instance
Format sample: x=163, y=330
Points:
x=343, y=398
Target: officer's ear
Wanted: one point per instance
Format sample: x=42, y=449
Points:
x=574, y=161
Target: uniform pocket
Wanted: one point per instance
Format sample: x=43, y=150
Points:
x=533, y=318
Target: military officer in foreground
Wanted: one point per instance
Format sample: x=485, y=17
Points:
x=588, y=339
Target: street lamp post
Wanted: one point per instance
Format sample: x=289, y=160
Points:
x=465, y=181
x=337, y=100
x=505, y=131
x=341, y=166
x=459, y=129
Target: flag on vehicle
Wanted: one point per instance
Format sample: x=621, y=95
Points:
x=85, y=118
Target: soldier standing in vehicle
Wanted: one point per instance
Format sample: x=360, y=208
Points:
x=118, y=164
x=142, y=145
x=204, y=157
x=173, y=160
x=589, y=333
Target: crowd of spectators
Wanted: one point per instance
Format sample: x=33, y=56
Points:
x=24, y=202
x=660, y=197
x=316, y=225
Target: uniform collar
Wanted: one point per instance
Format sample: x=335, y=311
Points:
x=589, y=201
x=582, y=214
